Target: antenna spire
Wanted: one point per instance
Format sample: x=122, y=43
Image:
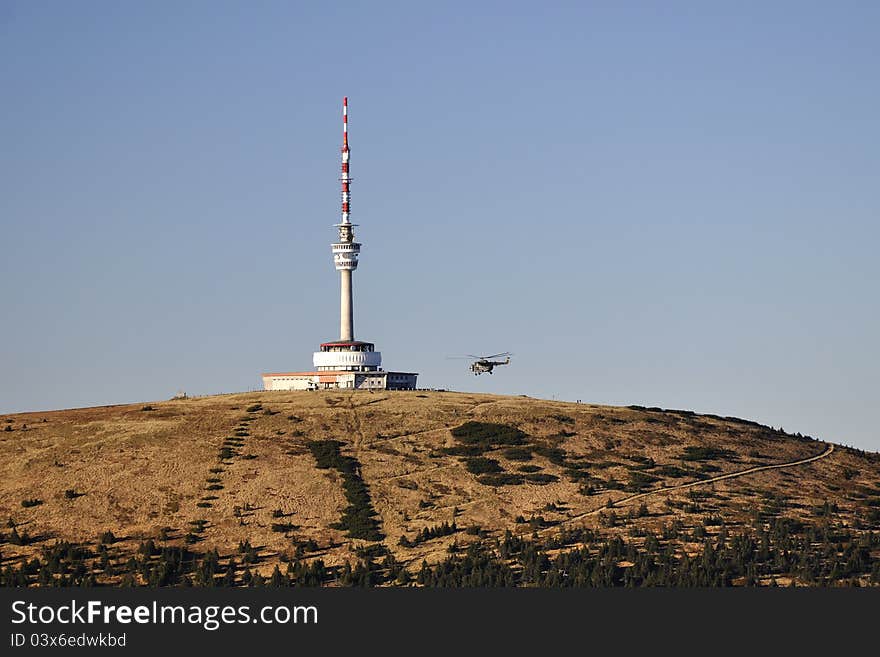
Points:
x=345, y=180
x=345, y=122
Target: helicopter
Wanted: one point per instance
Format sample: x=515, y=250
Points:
x=483, y=364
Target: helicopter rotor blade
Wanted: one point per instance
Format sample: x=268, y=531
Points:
x=476, y=357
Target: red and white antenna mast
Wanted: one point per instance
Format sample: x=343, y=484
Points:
x=345, y=180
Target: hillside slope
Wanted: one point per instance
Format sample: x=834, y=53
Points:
x=289, y=478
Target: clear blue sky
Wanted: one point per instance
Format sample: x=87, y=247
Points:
x=671, y=204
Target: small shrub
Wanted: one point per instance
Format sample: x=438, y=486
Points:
x=19, y=539
x=587, y=489
x=429, y=533
x=671, y=471
x=576, y=474
x=517, y=454
x=488, y=434
x=247, y=552
x=501, y=479
x=370, y=552
x=613, y=484
x=482, y=465
x=466, y=450
x=642, y=462
x=537, y=522
x=639, y=480
x=607, y=520
x=553, y=454
x=699, y=453
x=31, y=502
x=541, y=478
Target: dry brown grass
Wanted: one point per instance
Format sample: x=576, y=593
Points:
x=136, y=471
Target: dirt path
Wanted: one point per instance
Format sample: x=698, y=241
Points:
x=357, y=424
x=701, y=482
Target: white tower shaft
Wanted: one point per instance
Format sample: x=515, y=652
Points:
x=346, y=309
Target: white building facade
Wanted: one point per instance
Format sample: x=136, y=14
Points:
x=380, y=380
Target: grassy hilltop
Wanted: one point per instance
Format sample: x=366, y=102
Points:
x=429, y=488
